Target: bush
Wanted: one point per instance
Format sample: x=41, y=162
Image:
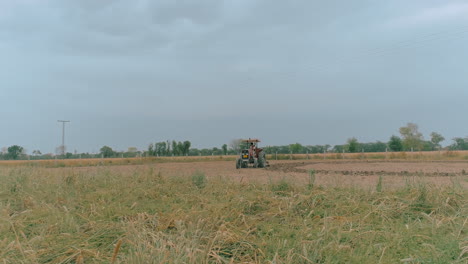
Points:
x=199, y=179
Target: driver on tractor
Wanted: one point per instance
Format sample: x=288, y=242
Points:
x=252, y=150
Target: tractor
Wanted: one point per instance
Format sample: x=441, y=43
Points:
x=251, y=155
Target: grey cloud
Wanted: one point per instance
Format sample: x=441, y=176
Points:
x=137, y=27
x=305, y=64
x=198, y=12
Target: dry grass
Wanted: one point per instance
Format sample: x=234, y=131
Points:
x=59, y=163
x=423, y=155
x=144, y=216
x=394, y=156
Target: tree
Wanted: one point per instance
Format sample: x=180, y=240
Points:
x=206, y=152
x=151, y=151
x=427, y=145
x=187, y=144
x=36, y=152
x=412, y=138
x=107, y=152
x=168, y=148
x=225, y=149
x=180, y=148
x=216, y=151
x=459, y=144
x=373, y=146
x=194, y=152
x=317, y=149
x=436, y=138
x=14, y=152
x=353, y=145
x=175, y=150
x=160, y=148
x=395, y=143
x=339, y=148
x=296, y=148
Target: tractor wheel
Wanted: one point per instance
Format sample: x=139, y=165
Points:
x=244, y=164
x=238, y=164
x=261, y=160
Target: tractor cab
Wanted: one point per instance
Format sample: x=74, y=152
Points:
x=245, y=154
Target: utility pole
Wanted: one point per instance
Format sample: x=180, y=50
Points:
x=63, y=135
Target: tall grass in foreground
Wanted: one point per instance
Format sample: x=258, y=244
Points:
x=145, y=217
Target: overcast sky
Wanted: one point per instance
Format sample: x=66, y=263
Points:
x=128, y=73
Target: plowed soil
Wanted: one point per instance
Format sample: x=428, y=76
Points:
x=357, y=173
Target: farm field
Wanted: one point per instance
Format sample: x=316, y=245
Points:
x=295, y=211
x=329, y=173
x=427, y=156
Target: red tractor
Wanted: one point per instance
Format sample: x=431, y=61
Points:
x=251, y=155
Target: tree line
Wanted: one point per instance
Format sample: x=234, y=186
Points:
x=410, y=139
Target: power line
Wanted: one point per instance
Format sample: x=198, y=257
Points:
x=62, y=147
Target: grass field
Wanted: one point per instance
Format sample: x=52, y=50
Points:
x=58, y=163
x=212, y=213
